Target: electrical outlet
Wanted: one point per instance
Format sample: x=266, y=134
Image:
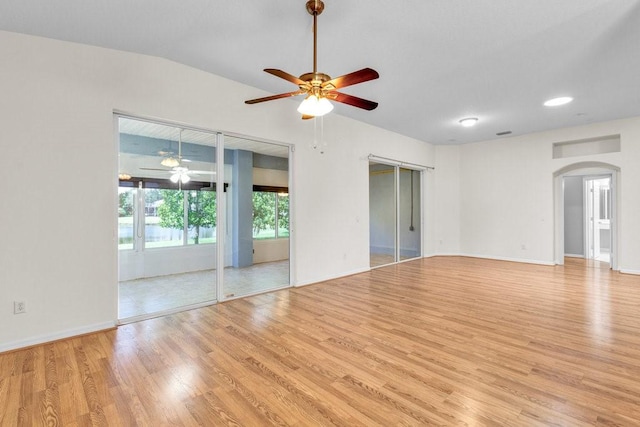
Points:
x=19, y=307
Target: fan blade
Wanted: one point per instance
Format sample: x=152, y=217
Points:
x=201, y=172
x=285, y=75
x=352, y=100
x=307, y=117
x=271, y=98
x=356, y=77
x=155, y=169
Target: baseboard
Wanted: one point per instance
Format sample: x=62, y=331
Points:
x=324, y=279
x=574, y=256
x=522, y=260
x=42, y=339
x=625, y=271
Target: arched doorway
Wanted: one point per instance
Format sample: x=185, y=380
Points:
x=589, y=173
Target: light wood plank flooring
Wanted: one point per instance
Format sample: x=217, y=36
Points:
x=439, y=341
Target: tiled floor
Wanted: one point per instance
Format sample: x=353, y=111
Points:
x=155, y=294
x=377, y=259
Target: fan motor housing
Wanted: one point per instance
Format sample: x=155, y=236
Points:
x=315, y=7
x=319, y=77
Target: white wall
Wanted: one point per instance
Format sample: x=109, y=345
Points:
x=269, y=250
x=272, y=177
x=447, y=200
x=163, y=261
x=59, y=222
x=506, y=193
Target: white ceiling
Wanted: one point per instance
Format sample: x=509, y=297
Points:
x=439, y=61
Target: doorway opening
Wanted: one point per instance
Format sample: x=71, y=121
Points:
x=585, y=213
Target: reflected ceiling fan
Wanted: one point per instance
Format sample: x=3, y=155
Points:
x=178, y=172
x=319, y=88
x=170, y=159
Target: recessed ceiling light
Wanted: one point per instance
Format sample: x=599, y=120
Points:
x=468, y=121
x=558, y=101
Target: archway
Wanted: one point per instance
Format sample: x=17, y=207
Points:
x=585, y=169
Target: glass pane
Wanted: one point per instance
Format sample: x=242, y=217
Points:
x=410, y=232
x=163, y=218
x=283, y=215
x=126, y=203
x=264, y=215
x=173, y=261
x=202, y=217
x=382, y=214
x=256, y=256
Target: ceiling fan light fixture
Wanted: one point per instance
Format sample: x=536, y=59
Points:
x=314, y=106
x=170, y=162
x=175, y=177
x=185, y=178
x=468, y=121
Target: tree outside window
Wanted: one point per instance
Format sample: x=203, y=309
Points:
x=270, y=215
x=201, y=214
x=126, y=230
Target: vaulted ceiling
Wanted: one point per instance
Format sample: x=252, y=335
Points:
x=439, y=61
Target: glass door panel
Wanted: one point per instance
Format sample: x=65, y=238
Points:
x=382, y=214
x=409, y=214
x=598, y=210
x=257, y=217
x=167, y=218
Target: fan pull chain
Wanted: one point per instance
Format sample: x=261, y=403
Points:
x=318, y=134
x=315, y=133
x=322, y=143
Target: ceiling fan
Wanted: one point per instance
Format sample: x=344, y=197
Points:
x=170, y=158
x=178, y=172
x=319, y=88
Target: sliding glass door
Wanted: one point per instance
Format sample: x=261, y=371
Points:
x=197, y=209
x=382, y=214
x=409, y=214
x=395, y=216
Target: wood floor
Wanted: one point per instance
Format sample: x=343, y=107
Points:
x=439, y=341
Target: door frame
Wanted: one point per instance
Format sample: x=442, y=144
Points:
x=590, y=238
x=586, y=169
x=397, y=165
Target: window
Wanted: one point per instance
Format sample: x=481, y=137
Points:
x=126, y=229
x=201, y=222
x=282, y=208
x=163, y=218
x=165, y=223
x=270, y=213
